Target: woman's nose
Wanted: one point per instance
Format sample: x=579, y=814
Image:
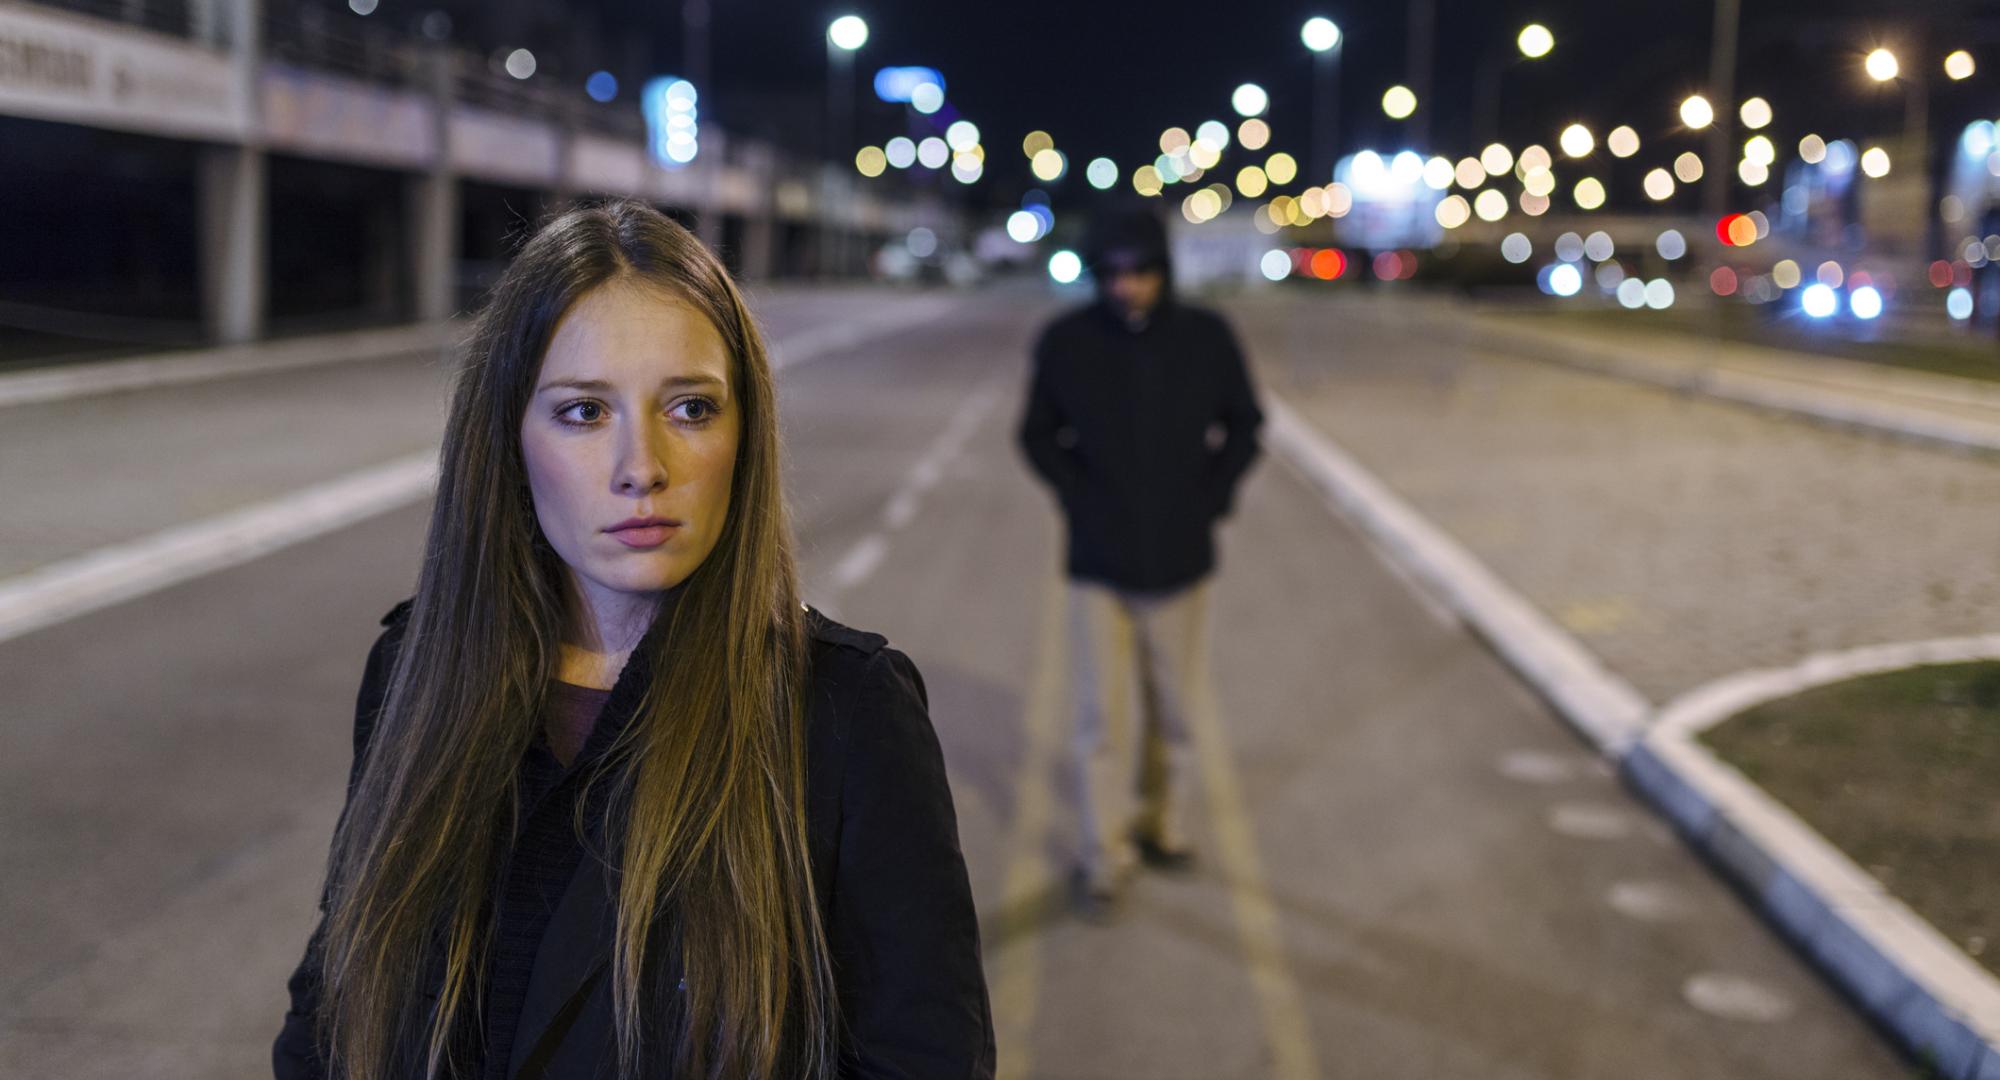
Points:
x=642, y=464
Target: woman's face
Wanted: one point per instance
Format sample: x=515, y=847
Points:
x=632, y=419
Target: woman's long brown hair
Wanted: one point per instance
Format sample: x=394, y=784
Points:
x=710, y=776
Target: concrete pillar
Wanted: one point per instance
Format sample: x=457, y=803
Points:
x=234, y=242
x=432, y=222
x=231, y=189
x=432, y=214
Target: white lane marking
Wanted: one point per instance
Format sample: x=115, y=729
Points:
x=109, y=575
x=1590, y=821
x=1537, y=767
x=867, y=554
x=59, y=591
x=1736, y=997
x=1649, y=901
x=168, y=369
x=849, y=332
x=859, y=562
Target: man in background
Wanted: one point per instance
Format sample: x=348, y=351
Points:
x=1141, y=417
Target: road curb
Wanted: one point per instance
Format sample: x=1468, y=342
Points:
x=1898, y=970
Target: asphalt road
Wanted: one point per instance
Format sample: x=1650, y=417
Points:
x=1408, y=866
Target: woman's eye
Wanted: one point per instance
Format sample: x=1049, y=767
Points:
x=583, y=412
x=697, y=410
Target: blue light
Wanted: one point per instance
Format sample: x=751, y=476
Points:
x=1977, y=141
x=1819, y=301
x=896, y=84
x=1865, y=302
x=669, y=105
x=1565, y=280
x=1958, y=304
x=601, y=86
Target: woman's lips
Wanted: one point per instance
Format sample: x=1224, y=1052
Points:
x=645, y=536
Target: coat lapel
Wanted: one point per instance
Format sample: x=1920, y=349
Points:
x=576, y=946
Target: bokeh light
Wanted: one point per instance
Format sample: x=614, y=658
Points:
x=1171, y=140
x=1281, y=168
x=1470, y=173
x=901, y=152
x=932, y=153
x=1959, y=66
x=871, y=161
x=1276, y=265
x=1812, y=149
x=1251, y=182
x=1398, y=102
x=1622, y=142
x=1517, y=248
x=1659, y=294
x=1632, y=293
x=848, y=32
x=1319, y=34
x=1756, y=113
x=1490, y=205
x=1865, y=302
x=1250, y=100
x=602, y=86
x=1875, y=162
x=1146, y=180
x=1102, y=173
x=1958, y=304
x=927, y=97
x=1597, y=247
x=1253, y=134
x=1438, y=173
x=1671, y=245
x=1497, y=160
x=1589, y=193
x=1453, y=211
x=1023, y=227
x=1882, y=65
x=1696, y=112
x=1535, y=41
x=1048, y=165
x=1065, y=266
x=1688, y=167
x=1786, y=274
x=1565, y=280
x=1752, y=173
x=521, y=64
x=961, y=135
x=1761, y=150
x=1819, y=300
x=1659, y=185
x=1577, y=141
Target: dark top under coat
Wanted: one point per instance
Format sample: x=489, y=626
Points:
x=894, y=895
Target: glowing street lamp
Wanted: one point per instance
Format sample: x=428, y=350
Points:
x=1696, y=112
x=843, y=36
x=1882, y=65
x=1535, y=41
x=1323, y=37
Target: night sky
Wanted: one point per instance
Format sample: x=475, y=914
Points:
x=1107, y=77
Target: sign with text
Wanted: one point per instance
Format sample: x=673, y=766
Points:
x=78, y=70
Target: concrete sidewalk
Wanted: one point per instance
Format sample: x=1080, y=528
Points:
x=1940, y=409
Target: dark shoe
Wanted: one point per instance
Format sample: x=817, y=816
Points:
x=1094, y=902
x=1166, y=860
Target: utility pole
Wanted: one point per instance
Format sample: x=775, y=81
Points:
x=1722, y=85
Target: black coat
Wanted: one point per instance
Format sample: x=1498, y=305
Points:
x=892, y=885
x=1144, y=436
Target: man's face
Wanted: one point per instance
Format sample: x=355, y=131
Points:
x=1134, y=287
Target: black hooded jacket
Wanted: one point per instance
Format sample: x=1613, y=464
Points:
x=1143, y=434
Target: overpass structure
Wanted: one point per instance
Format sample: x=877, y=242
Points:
x=243, y=85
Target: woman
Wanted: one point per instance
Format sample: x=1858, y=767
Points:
x=620, y=804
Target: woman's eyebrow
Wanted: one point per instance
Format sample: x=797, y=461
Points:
x=674, y=382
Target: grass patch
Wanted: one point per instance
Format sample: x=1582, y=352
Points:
x=1972, y=357
x=1902, y=772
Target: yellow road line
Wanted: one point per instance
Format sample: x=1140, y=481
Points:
x=1277, y=991
x=1018, y=961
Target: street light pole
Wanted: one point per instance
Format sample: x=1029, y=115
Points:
x=1722, y=85
x=1324, y=39
x=843, y=36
